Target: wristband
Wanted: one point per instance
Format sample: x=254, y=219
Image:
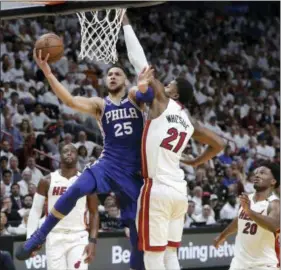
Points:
x=93, y=240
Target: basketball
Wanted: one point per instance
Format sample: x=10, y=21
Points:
x=52, y=44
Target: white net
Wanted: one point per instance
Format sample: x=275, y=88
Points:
x=99, y=34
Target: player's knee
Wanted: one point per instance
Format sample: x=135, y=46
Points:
x=152, y=258
x=170, y=252
x=171, y=258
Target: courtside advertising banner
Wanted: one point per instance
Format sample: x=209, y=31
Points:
x=113, y=253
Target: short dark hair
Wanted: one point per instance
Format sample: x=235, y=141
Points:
x=15, y=184
x=27, y=195
x=116, y=66
x=14, y=94
x=3, y=158
x=274, y=168
x=185, y=90
x=6, y=171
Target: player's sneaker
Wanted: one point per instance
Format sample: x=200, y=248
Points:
x=25, y=250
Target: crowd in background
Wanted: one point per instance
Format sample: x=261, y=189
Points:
x=231, y=61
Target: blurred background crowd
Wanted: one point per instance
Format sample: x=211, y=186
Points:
x=231, y=61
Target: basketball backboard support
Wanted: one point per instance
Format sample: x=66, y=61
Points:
x=18, y=9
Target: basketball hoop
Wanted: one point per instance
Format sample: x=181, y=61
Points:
x=99, y=34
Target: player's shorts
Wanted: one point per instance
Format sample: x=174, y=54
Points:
x=160, y=216
x=239, y=264
x=265, y=267
x=64, y=250
x=126, y=183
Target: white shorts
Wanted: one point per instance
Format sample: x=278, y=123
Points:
x=239, y=265
x=255, y=268
x=160, y=216
x=64, y=250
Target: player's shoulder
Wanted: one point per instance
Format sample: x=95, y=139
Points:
x=273, y=197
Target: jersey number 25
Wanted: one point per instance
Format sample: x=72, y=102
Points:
x=123, y=128
x=174, y=135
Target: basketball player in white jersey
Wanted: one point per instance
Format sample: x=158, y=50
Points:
x=163, y=199
x=257, y=226
x=69, y=245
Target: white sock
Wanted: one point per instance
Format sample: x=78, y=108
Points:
x=171, y=259
x=154, y=260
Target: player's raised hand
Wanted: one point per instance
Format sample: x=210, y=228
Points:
x=245, y=202
x=218, y=241
x=42, y=63
x=90, y=251
x=145, y=78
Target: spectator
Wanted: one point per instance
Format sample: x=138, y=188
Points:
x=2, y=191
x=25, y=128
x=12, y=215
x=249, y=184
x=22, y=228
x=14, y=132
x=214, y=203
x=3, y=224
x=16, y=173
x=206, y=215
x=83, y=158
x=38, y=118
x=190, y=216
x=13, y=104
x=230, y=209
x=7, y=181
x=36, y=173
x=226, y=158
x=67, y=139
x=6, y=147
x=31, y=189
x=20, y=115
x=15, y=197
x=53, y=144
x=265, y=151
x=229, y=178
x=111, y=221
x=197, y=198
x=27, y=203
x=26, y=180
x=3, y=164
x=83, y=141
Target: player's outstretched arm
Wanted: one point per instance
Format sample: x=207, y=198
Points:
x=134, y=49
x=205, y=136
x=90, y=249
x=229, y=230
x=271, y=222
x=91, y=106
x=37, y=206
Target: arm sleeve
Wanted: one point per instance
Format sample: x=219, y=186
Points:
x=147, y=97
x=134, y=49
x=35, y=214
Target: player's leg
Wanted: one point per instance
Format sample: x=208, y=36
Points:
x=74, y=256
x=153, y=217
x=55, y=252
x=136, y=258
x=154, y=259
x=127, y=198
x=175, y=231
